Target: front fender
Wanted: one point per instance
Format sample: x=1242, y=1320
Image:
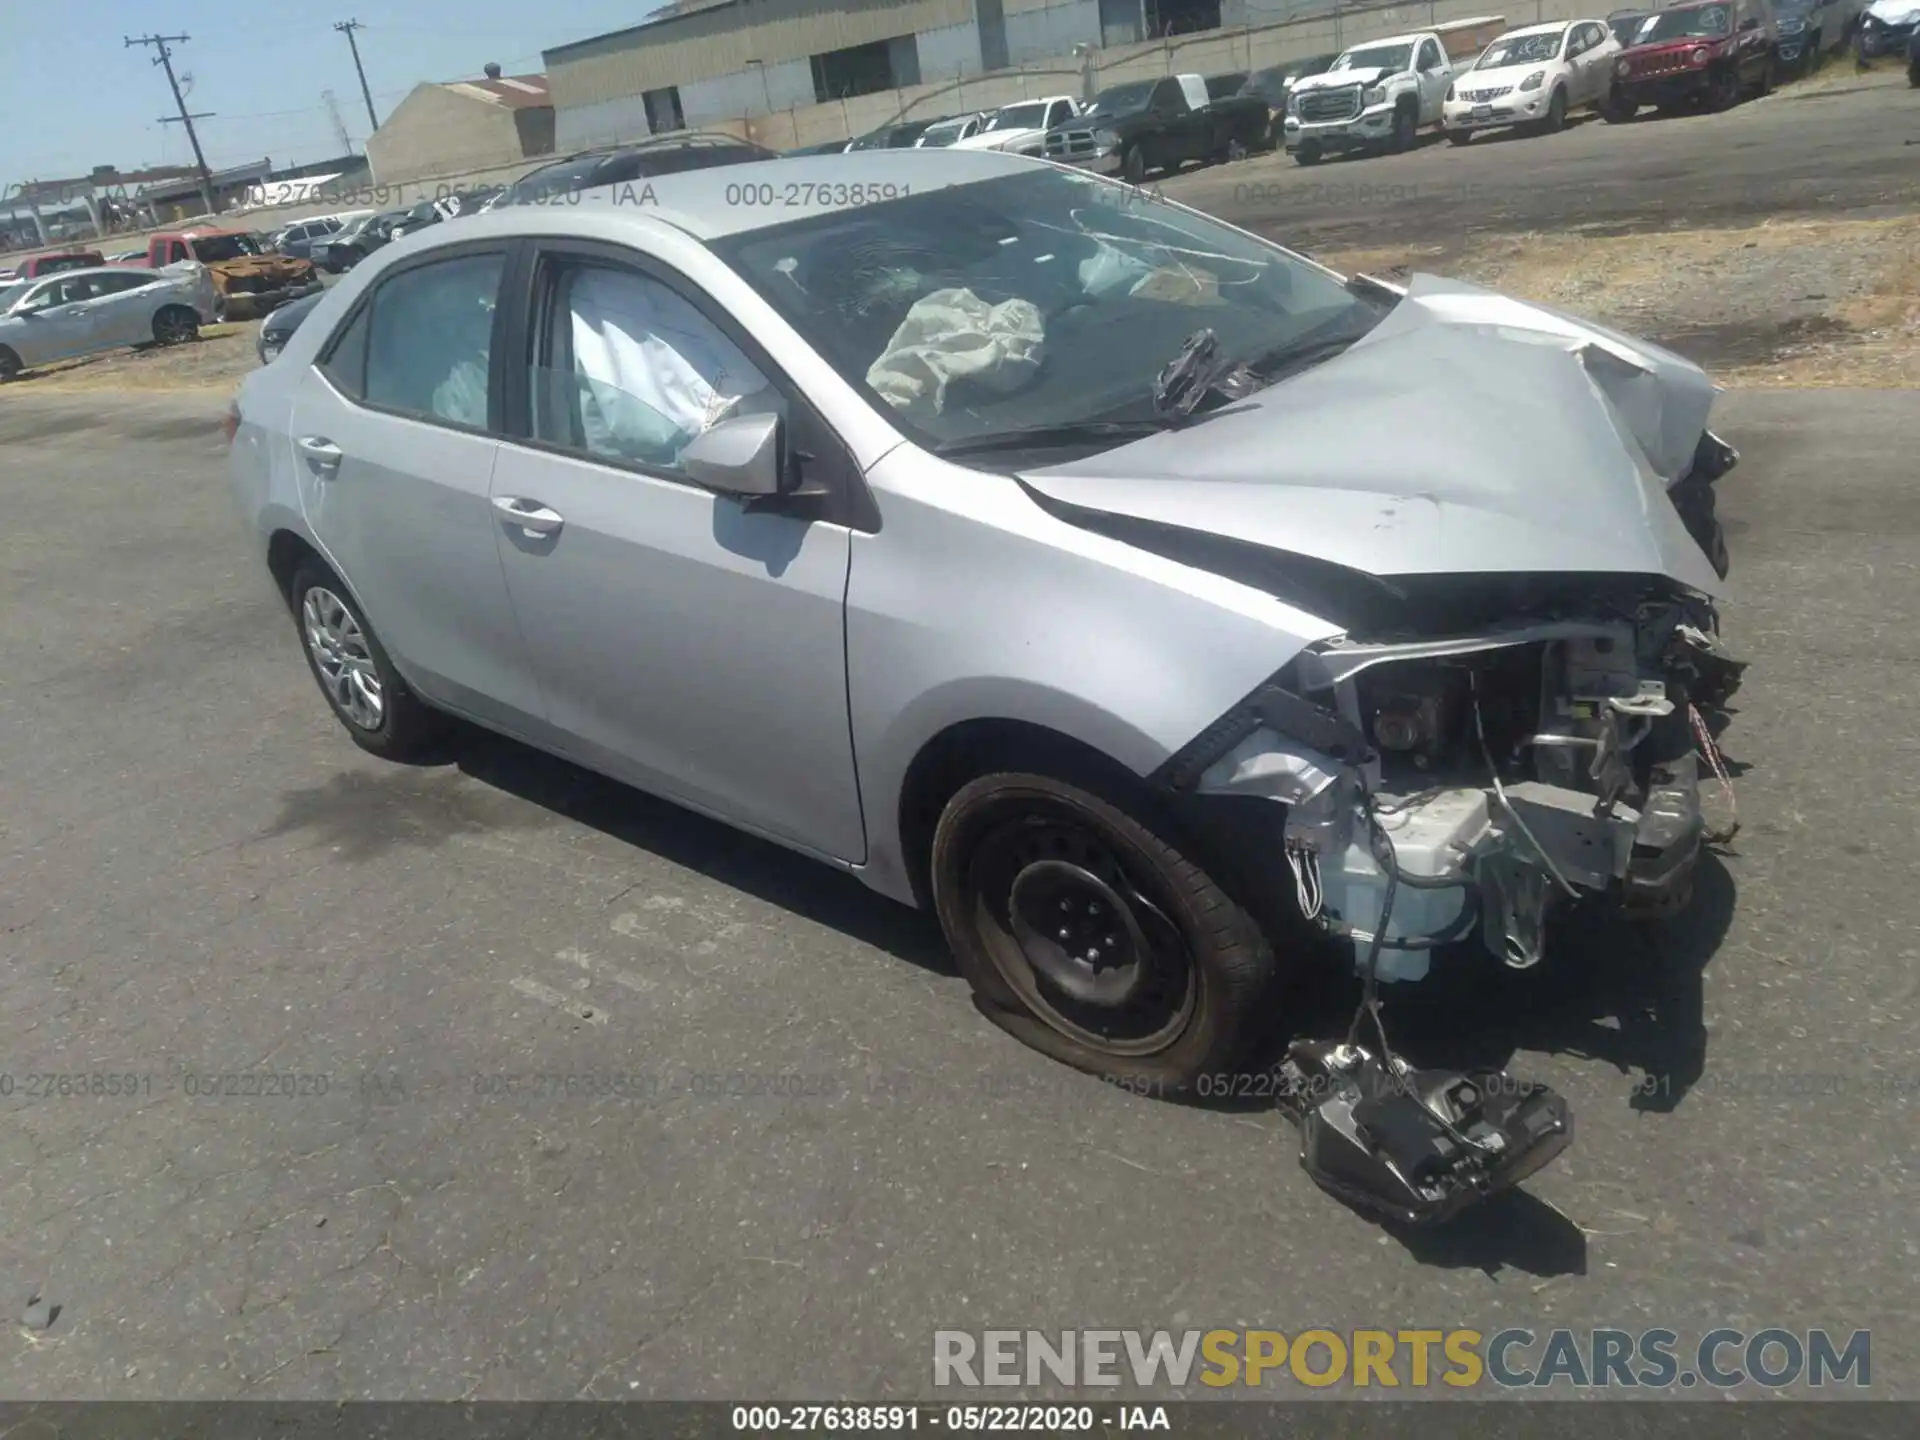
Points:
x=973, y=603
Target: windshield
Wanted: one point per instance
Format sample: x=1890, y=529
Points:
x=1707, y=21
x=1041, y=298
x=210, y=248
x=1623, y=27
x=1121, y=98
x=1030, y=116
x=945, y=133
x=1521, y=50
x=1377, y=57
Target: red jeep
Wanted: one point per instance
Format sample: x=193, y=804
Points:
x=1706, y=53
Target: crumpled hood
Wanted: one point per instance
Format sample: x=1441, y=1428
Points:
x=1468, y=433
x=1334, y=79
x=1894, y=12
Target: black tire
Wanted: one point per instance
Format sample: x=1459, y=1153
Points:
x=406, y=726
x=1723, y=90
x=1618, y=110
x=1196, y=966
x=10, y=366
x=1405, y=124
x=1459, y=137
x=1133, y=163
x=1307, y=154
x=1913, y=69
x=1556, y=116
x=175, y=325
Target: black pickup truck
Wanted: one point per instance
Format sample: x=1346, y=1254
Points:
x=1145, y=125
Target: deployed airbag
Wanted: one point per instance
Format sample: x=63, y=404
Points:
x=955, y=335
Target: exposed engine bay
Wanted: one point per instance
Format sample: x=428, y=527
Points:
x=1447, y=784
x=1443, y=788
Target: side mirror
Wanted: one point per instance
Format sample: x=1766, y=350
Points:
x=740, y=456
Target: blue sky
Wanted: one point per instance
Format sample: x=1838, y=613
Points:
x=73, y=96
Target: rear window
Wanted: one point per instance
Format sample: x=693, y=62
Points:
x=212, y=248
x=1225, y=87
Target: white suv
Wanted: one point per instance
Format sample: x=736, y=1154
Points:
x=1531, y=78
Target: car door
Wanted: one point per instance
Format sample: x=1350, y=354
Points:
x=61, y=327
x=393, y=437
x=688, y=641
x=1602, y=50
x=1434, y=79
x=1577, y=56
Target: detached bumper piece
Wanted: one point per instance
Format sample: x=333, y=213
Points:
x=1416, y=1147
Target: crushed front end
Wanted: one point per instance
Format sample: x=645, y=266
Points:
x=1441, y=788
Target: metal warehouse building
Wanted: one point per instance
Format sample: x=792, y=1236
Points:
x=705, y=62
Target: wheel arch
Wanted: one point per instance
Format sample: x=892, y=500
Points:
x=287, y=550
x=963, y=751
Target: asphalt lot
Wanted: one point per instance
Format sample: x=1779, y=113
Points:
x=202, y=877
x=1832, y=146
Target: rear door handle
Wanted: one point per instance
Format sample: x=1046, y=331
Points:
x=529, y=515
x=321, y=452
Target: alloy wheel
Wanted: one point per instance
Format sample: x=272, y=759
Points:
x=342, y=658
x=171, y=327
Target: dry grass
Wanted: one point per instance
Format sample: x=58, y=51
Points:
x=1828, y=302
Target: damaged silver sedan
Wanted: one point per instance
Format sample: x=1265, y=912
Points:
x=1130, y=591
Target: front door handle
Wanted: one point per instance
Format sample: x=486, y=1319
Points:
x=529, y=515
x=321, y=452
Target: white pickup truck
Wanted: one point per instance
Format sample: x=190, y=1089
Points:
x=1021, y=128
x=1381, y=94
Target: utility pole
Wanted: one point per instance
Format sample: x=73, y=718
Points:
x=165, y=60
x=346, y=28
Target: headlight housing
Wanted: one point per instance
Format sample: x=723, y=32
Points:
x=1698, y=57
x=1106, y=139
x=1374, y=95
x=1293, y=103
x=1622, y=68
x=1533, y=81
x=1792, y=25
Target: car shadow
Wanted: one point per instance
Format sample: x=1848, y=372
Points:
x=769, y=872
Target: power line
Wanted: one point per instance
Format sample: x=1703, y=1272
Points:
x=347, y=27
x=162, y=44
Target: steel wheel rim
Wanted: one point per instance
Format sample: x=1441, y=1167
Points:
x=342, y=658
x=173, y=329
x=1136, y=995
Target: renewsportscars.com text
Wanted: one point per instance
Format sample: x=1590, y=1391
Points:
x=1721, y=1359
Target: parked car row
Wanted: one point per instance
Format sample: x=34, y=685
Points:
x=1698, y=54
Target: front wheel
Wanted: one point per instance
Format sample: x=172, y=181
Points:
x=1307, y=154
x=1459, y=137
x=10, y=366
x=1404, y=128
x=1723, y=91
x=354, y=672
x=1618, y=110
x=1556, y=117
x=1092, y=938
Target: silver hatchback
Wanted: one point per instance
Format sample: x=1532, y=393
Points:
x=1140, y=596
